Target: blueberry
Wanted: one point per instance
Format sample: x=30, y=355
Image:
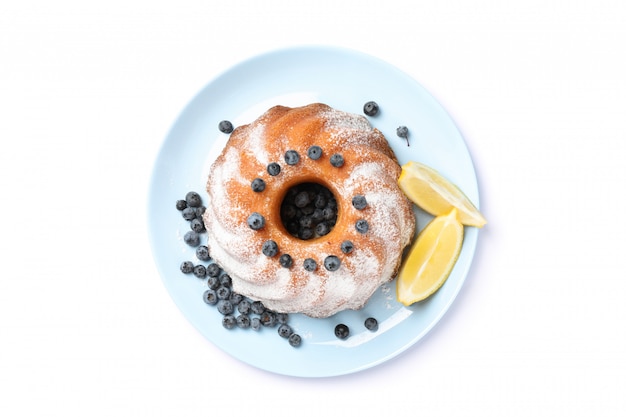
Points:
x=256, y=221
x=273, y=169
x=295, y=340
x=314, y=152
x=223, y=293
x=225, y=126
x=193, y=199
x=186, y=267
x=329, y=213
x=197, y=225
x=336, y=160
x=258, y=185
x=402, y=132
x=199, y=271
x=282, y=318
x=347, y=246
x=229, y=321
x=268, y=318
x=284, y=330
x=285, y=260
x=181, y=205
x=371, y=324
x=342, y=331
x=202, y=253
x=322, y=229
x=243, y=321
x=244, y=306
x=235, y=298
x=370, y=108
x=302, y=199
x=192, y=238
x=305, y=233
x=255, y=323
x=359, y=202
x=210, y=297
x=189, y=213
x=332, y=263
x=292, y=157
x=226, y=281
x=225, y=307
x=320, y=201
x=306, y=222
x=362, y=226
x=213, y=282
x=270, y=248
x=257, y=307
x=310, y=264
x=213, y=270
x=199, y=211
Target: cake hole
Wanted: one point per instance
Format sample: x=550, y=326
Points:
x=308, y=211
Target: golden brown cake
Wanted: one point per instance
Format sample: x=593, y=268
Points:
x=261, y=232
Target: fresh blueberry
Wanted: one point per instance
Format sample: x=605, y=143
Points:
x=199, y=271
x=244, y=306
x=306, y=222
x=282, y=318
x=197, y=225
x=213, y=282
x=285, y=260
x=225, y=307
x=223, y=293
x=189, y=213
x=370, y=108
x=320, y=201
x=257, y=307
x=292, y=157
x=305, y=233
x=258, y=185
x=235, y=298
x=229, y=321
x=225, y=126
x=402, y=132
x=273, y=169
x=213, y=270
x=347, y=246
x=336, y=160
x=255, y=323
x=199, y=211
x=243, y=321
x=295, y=340
x=302, y=199
x=371, y=324
x=226, y=281
x=362, y=226
x=359, y=202
x=192, y=238
x=270, y=248
x=202, y=253
x=193, y=199
x=186, y=267
x=210, y=297
x=322, y=229
x=284, y=330
x=310, y=264
x=329, y=213
x=256, y=221
x=314, y=152
x=342, y=331
x=181, y=205
x=332, y=263
x=268, y=318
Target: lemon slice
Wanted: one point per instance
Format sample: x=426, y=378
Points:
x=436, y=195
x=430, y=259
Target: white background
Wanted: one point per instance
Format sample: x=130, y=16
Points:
x=88, y=92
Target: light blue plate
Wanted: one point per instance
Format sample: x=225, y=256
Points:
x=345, y=80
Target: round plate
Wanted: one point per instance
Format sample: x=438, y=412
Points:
x=345, y=80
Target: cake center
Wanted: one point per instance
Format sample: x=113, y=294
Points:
x=308, y=210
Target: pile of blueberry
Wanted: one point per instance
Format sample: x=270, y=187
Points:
x=309, y=210
x=237, y=311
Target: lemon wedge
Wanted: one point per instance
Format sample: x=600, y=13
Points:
x=430, y=259
x=436, y=195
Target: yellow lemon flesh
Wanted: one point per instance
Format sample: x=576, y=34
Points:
x=433, y=193
x=430, y=259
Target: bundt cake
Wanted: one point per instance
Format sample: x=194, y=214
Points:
x=304, y=211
